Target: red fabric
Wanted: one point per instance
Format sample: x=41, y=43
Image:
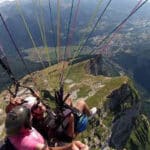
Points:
x=9, y=107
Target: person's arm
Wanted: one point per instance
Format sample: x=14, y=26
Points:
x=75, y=145
x=36, y=94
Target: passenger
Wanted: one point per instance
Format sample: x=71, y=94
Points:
x=24, y=137
x=80, y=123
x=68, y=128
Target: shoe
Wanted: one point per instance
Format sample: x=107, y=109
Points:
x=93, y=111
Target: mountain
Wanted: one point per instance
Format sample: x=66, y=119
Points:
x=129, y=49
x=118, y=123
x=32, y=13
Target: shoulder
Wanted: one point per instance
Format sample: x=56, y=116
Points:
x=28, y=140
x=29, y=143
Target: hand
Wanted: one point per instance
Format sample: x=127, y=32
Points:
x=36, y=94
x=77, y=145
x=16, y=100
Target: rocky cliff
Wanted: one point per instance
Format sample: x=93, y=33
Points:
x=100, y=65
x=118, y=123
x=125, y=105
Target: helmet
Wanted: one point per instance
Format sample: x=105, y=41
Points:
x=17, y=118
x=82, y=123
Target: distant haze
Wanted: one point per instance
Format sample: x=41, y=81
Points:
x=1, y=1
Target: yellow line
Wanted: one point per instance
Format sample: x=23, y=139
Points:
x=84, y=36
x=44, y=34
x=28, y=31
x=58, y=30
x=89, y=25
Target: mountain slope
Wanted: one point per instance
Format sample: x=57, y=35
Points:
x=118, y=122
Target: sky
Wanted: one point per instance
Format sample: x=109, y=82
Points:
x=5, y=0
x=1, y=1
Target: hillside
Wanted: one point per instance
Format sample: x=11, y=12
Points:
x=118, y=123
x=130, y=46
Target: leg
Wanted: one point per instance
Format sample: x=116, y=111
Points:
x=69, y=101
x=82, y=106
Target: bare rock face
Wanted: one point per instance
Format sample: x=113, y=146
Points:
x=95, y=66
x=124, y=103
x=122, y=96
x=99, y=65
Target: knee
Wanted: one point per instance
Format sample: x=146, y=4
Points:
x=81, y=102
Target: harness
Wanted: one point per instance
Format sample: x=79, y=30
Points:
x=53, y=126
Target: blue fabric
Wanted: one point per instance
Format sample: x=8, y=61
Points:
x=82, y=123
